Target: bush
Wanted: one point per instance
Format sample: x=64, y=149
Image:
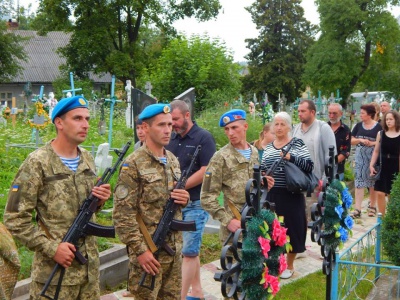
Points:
x=391, y=224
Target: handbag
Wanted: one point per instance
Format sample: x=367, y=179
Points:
x=298, y=181
x=378, y=167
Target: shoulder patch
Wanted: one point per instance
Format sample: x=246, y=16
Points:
x=121, y=191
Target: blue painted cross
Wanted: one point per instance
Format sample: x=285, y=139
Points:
x=73, y=89
x=37, y=119
x=112, y=99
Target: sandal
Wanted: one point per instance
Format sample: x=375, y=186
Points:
x=371, y=211
x=356, y=214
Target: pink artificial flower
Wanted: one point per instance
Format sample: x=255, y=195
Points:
x=282, y=264
x=278, y=233
x=265, y=246
x=271, y=282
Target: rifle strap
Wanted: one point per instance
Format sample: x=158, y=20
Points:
x=44, y=228
x=146, y=234
x=234, y=210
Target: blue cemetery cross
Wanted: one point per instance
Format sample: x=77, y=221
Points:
x=37, y=119
x=112, y=100
x=73, y=89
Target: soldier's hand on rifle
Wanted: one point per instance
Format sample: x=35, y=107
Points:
x=180, y=196
x=148, y=262
x=65, y=254
x=233, y=225
x=103, y=192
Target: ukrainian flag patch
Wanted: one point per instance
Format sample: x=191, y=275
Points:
x=15, y=188
x=125, y=166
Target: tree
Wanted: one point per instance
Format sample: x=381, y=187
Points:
x=277, y=55
x=106, y=34
x=197, y=62
x=355, y=36
x=11, y=54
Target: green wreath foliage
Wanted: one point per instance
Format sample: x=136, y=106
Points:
x=260, y=274
x=391, y=224
x=336, y=218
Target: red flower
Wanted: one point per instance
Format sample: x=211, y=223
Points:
x=265, y=245
x=272, y=283
x=278, y=233
x=282, y=263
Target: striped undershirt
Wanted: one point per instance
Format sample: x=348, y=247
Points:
x=71, y=163
x=246, y=153
x=299, y=156
x=163, y=160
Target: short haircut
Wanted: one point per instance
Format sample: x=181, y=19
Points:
x=396, y=117
x=181, y=105
x=369, y=109
x=285, y=116
x=310, y=104
x=337, y=105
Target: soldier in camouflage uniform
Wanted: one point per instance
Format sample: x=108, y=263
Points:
x=228, y=171
x=145, y=183
x=9, y=263
x=54, y=181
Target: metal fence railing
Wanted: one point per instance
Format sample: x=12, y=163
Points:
x=360, y=272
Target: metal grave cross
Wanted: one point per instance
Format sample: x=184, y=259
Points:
x=37, y=120
x=73, y=89
x=112, y=100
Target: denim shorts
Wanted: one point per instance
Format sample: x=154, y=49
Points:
x=192, y=239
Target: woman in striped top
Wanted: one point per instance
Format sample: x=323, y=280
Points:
x=289, y=205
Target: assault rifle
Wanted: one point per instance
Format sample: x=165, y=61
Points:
x=82, y=226
x=168, y=223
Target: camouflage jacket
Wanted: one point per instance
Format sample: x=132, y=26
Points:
x=144, y=185
x=45, y=185
x=229, y=172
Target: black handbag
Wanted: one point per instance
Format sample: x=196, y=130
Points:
x=378, y=167
x=298, y=181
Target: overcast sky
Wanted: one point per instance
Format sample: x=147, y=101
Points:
x=233, y=25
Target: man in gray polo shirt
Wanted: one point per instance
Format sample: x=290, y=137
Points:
x=318, y=137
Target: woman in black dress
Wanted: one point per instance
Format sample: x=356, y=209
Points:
x=287, y=204
x=390, y=157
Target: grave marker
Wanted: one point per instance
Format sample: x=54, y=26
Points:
x=112, y=100
x=73, y=89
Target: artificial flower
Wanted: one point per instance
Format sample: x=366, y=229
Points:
x=282, y=263
x=265, y=245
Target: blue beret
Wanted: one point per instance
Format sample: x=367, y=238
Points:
x=231, y=116
x=153, y=110
x=67, y=104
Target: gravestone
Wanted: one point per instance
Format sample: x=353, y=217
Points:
x=51, y=103
x=103, y=160
x=139, y=101
x=148, y=87
x=129, y=117
x=189, y=96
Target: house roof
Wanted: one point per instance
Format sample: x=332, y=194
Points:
x=43, y=61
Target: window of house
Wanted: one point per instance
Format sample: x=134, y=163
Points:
x=5, y=96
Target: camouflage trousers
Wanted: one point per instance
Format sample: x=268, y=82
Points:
x=167, y=283
x=86, y=291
